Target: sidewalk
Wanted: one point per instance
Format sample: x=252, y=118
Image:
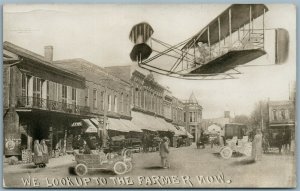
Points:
x=67, y=160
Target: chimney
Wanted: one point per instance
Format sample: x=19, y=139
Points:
x=48, y=53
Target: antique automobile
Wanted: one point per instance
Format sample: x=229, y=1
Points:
x=119, y=163
x=236, y=141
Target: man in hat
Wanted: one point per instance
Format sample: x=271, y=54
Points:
x=164, y=152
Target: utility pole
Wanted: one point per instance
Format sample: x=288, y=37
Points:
x=105, y=116
x=262, y=117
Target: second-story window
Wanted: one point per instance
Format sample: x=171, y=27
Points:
x=192, y=117
x=274, y=115
x=64, y=93
x=37, y=91
x=102, y=100
x=283, y=114
x=87, y=97
x=24, y=85
x=115, y=103
x=127, y=105
x=94, y=98
x=109, y=102
x=121, y=102
x=74, y=96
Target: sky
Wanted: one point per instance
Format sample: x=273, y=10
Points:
x=100, y=34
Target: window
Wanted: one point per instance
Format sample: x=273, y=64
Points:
x=126, y=104
x=109, y=102
x=37, y=92
x=24, y=84
x=121, y=102
x=48, y=90
x=74, y=96
x=102, y=100
x=274, y=115
x=95, y=98
x=283, y=114
x=64, y=94
x=86, y=100
x=115, y=103
x=192, y=117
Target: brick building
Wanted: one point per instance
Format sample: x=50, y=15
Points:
x=192, y=115
x=40, y=99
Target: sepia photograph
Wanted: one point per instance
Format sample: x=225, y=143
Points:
x=149, y=96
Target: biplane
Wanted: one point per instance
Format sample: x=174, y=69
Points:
x=232, y=39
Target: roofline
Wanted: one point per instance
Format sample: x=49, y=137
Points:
x=64, y=61
x=22, y=52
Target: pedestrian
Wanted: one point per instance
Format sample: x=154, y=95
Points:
x=257, y=146
x=164, y=153
x=44, y=150
x=279, y=139
x=44, y=147
x=266, y=144
x=287, y=141
x=37, y=149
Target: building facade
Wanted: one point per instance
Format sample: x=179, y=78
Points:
x=40, y=99
x=281, y=119
x=192, y=115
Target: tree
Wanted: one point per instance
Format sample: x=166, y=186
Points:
x=260, y=115
x=244, y=119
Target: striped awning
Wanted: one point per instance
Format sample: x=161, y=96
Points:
x=90, y=127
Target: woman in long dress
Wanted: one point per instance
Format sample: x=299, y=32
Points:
x=44, y=150
x=257, y=146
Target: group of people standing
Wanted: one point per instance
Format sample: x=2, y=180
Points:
x=283, y=140
x=41, y=155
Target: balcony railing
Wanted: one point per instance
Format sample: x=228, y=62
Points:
x=51, y=105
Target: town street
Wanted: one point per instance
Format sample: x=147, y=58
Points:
x=190, y=167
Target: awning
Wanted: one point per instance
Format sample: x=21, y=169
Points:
x=158, y=122
x=95, y=121
x=167, y=126
x=90, y=127
x=131, y=126
x=85, y=123
x=189, y=135
x=144, y=121
x=179, y=131
x=116, y=125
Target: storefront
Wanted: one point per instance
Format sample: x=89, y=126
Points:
x=80, y=131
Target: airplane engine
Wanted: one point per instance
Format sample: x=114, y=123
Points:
x=140, y=35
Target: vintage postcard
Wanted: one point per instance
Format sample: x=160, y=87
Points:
x=149, y=95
